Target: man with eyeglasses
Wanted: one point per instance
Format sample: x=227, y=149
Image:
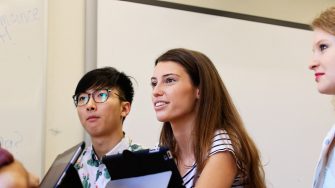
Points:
x=103, y=99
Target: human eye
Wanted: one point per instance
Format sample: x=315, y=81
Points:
x=82, y=97
x=323, y=47
x=101, y=95
x=169, y=80
x=153, y=83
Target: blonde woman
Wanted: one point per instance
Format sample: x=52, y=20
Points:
x=323, y=66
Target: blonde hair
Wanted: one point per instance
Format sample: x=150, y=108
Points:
x=325, y=21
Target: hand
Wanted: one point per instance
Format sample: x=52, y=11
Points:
x=14, y=175
x=33, y=181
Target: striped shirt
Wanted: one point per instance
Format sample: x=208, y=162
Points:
x=221, y=143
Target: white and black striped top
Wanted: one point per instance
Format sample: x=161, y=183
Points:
x=221, y=143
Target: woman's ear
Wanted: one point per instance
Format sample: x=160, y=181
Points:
x=198, y=93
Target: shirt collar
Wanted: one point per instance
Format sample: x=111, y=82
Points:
x=119, y=148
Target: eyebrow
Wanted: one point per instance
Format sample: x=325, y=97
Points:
x=321, y=41
x=166, y=75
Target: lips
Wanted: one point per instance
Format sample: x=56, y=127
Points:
x=159, y=104
x=92, y=118
x=318, y=75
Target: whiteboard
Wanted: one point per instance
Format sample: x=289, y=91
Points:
x=22, y=77
x=264, y=66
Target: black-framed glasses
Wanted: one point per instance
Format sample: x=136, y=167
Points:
x=99, y=96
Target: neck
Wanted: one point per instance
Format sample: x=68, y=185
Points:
x=183, y=133
x=103, y=145
x=185, y=154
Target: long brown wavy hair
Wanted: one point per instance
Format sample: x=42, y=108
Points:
x=215, y=111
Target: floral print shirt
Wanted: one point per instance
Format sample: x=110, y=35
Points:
x=92, y=172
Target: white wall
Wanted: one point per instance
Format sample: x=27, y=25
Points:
x=302, y=11
x=22, y=79
x=65, y=68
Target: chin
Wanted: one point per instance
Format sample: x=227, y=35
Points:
x=162, y=118
x=326, y=91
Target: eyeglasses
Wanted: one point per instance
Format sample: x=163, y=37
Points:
x=99, y=96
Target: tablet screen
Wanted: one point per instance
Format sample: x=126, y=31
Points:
x=60, y=166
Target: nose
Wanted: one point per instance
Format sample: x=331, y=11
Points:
x=91, y=105
x=157, y=90
x=313, y=64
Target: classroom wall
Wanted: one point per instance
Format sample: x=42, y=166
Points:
x=65, y=67
x=66, y=23
x=22, y=79
x=301, y=11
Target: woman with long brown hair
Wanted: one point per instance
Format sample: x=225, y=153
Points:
x=202, y=127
